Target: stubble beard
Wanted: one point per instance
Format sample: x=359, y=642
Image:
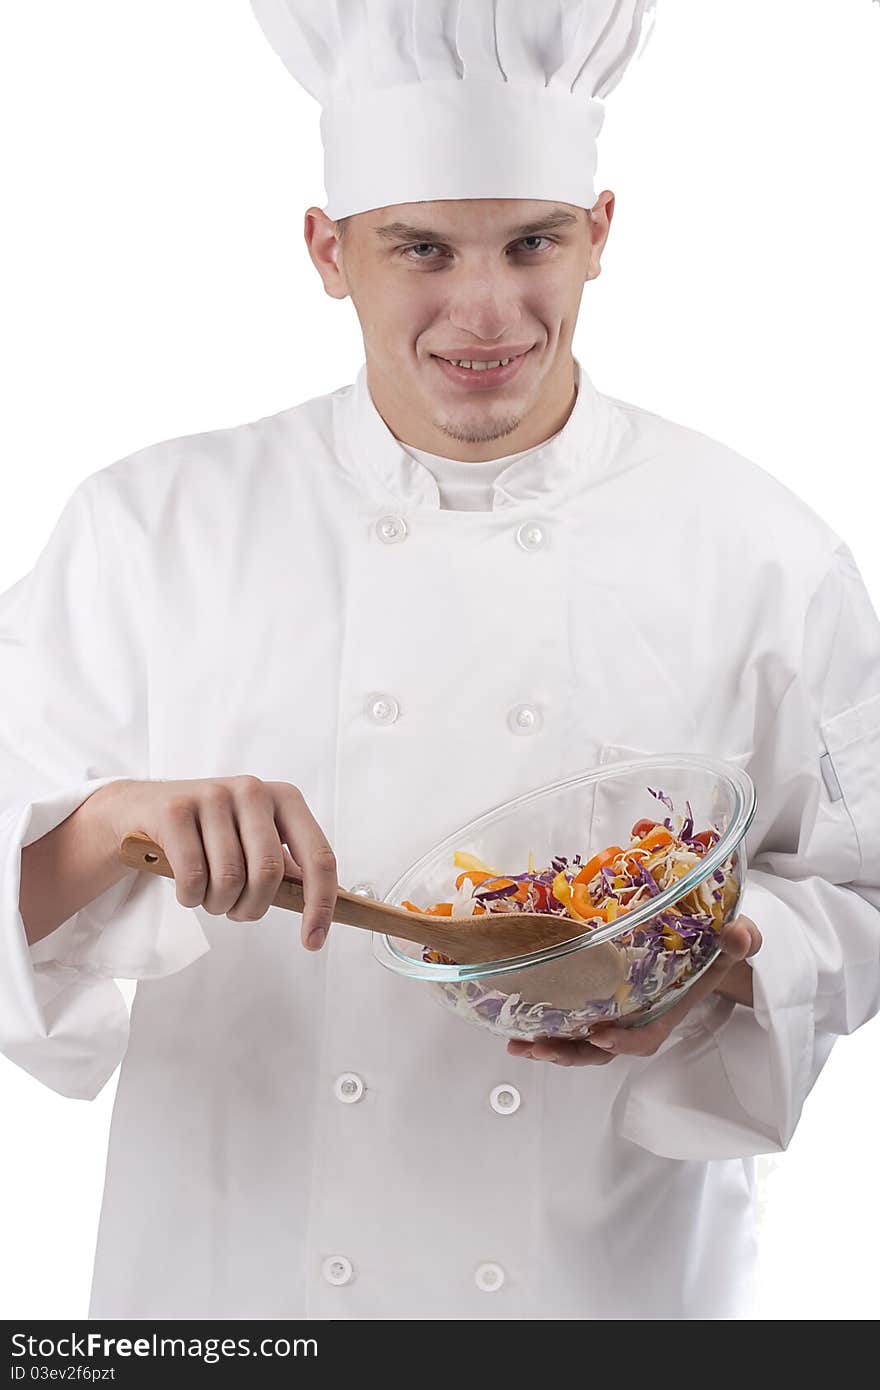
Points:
x=482, y=432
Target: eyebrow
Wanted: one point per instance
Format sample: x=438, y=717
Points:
x=394, y=231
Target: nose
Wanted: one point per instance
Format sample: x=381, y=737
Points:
x=484, y=302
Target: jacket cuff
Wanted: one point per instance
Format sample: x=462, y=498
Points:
x=62, y=1017
x=730, y=1081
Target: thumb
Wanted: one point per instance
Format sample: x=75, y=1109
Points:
x=740, y=939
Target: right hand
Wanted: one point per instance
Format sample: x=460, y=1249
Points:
x=223, y=836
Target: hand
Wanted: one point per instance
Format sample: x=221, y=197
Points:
x=739, y=940
x=222, y=837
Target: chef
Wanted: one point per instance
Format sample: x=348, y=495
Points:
x=431, y=590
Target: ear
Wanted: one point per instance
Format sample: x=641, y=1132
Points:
x=325, y=249
x=599, y=219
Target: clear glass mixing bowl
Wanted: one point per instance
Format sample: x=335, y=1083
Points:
x=538, y=994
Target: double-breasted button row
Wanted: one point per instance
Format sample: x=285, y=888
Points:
x=382, y=708
x=338, y=1270
x=349, y=1088
x=530, y=535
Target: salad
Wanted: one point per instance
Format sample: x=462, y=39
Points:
x=662, y=952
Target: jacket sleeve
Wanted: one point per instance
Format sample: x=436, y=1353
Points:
x=731, y=1081
x=73, y=717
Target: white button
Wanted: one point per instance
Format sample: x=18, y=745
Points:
x=348, y=1087
x=489, y=1277
x=382, y=709
x=524, y=719
x=366, y=890
x=336, y=1269
x=531, y=535
x=391, y=529
x=505, y=1099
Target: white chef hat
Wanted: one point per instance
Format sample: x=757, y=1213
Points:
x=428, y=99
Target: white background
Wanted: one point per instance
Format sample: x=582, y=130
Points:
x=156, y=164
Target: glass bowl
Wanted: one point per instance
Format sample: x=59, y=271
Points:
x=667, y=934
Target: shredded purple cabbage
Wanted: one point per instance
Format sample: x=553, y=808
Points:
x=649, y=881
x=661, y=796
x=493, y=893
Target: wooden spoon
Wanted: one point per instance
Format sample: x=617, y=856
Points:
x=587, y=974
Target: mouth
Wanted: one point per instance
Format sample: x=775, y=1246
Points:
x=484, y=375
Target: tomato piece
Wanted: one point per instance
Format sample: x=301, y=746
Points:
x=642, y=827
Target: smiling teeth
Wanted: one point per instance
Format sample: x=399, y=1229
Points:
x=481, y=366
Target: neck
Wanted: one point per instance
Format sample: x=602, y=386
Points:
x=412, y=422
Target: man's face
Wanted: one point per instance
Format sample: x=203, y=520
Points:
x=479, y=279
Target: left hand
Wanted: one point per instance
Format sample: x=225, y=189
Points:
x=729, y=976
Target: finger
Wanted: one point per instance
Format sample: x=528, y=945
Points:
x=227, y=871
x=311, y=848
x=757, y=940
x=740, y=938
x=290, y=862
x=254, y=812
x=580, y=1052
x=181, y=841
x=645, y=1040
x=563, y=1052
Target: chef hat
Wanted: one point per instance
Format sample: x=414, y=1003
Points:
x=427, y=99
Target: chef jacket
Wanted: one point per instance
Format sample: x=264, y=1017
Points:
x=309, y=1135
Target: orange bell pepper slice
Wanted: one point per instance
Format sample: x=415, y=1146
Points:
x=475, y=875
x=438, y=910
x=598, y=861
x=584, y=903
x=655, y=838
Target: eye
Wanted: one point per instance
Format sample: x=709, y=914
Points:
x=421, y=246
x=412, y=252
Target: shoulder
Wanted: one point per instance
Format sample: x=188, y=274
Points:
x=229, y=457
x=689, y=473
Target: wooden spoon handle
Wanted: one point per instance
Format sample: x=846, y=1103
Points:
x=138, y=851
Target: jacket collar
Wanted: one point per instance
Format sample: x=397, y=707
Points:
x=571, y=460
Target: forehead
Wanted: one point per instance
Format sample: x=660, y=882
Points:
x=468, y=218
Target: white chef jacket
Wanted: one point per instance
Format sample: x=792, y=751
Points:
x=301, y=1134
